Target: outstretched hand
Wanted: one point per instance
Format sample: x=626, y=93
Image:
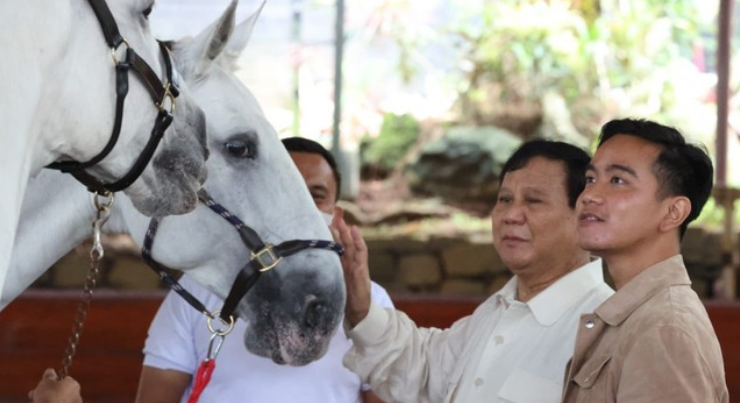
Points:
x=53, y=390
x=356, y=272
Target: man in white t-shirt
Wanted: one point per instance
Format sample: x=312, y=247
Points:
x=515, y=346
x=178, y=336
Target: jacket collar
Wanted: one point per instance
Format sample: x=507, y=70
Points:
x=640, y=289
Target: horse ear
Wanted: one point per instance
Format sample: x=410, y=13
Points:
x=197, y=55
x=239, y=40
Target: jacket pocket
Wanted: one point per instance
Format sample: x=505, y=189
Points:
x=589, y=373
x=526, y=387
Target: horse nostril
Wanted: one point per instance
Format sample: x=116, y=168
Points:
x=315, y=311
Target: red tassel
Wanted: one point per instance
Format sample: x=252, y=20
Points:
x=202, y=377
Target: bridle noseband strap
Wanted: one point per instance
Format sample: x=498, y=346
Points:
x=164, y=119
x=250, y=273
x=264, y=257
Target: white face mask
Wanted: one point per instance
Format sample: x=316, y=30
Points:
x=327, y=217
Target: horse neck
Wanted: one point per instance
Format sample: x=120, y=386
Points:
x=37, y=59
x=56, y=216
x=34, y=54
x=45, y=107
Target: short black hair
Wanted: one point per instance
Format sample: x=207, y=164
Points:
x=573, y=158
x=682, y=169
x=304, y=145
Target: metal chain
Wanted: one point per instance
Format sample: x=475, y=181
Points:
x=102, y=204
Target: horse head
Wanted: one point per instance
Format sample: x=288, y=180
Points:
x=294, y=309
x=83, y=83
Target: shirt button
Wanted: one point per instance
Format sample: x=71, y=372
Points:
x=478, y=381
x=498, y=339
x=590, y=324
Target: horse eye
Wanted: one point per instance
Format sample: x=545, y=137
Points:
x=147, y=11
x=240, y=149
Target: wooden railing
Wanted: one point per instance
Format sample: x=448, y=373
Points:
x=34, y=331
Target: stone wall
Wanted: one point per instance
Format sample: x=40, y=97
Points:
x=445, y=266
x=460, y=266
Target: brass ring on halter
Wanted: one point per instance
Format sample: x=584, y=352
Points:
x=104, y=200
x=220, y=331
x=168, y=95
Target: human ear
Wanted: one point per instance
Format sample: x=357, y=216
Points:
x=679, y=208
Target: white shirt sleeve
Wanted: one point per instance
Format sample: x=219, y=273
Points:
x=402, y=362
x=380, y=296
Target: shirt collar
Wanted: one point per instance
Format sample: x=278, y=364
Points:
x=641, y=288
x=551, y=303
x=507, y=294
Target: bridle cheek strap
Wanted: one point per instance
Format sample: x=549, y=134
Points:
x=110, y=29
x=163, y=121
x=162, y=96
x=263, y=257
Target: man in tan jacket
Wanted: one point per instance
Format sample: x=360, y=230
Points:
x=652, y=341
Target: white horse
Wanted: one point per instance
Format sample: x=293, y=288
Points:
x=294, y=308
x=58, y=97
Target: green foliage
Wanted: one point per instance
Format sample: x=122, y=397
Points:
x=397, y=134
x=605, y=58
x=713, y=215
x=524, y=46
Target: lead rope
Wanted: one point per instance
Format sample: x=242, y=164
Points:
x=102, y=204
x=205, y=370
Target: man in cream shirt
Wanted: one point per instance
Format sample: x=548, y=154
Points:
x=515, y=346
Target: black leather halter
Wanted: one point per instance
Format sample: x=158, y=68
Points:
x=159, y=92
x=266, y=257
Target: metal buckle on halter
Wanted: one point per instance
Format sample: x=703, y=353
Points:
x=172, y=89
x=113, y=51
x=270, y=262
x=170, y=93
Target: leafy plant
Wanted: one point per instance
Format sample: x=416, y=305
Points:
x=397, y=134
x=713, y=215
x=605, y=58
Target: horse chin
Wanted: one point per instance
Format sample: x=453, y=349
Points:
x=291, y=328
x=172, y=187
x=169, y=198
x=289, y=345
x=169, y=184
